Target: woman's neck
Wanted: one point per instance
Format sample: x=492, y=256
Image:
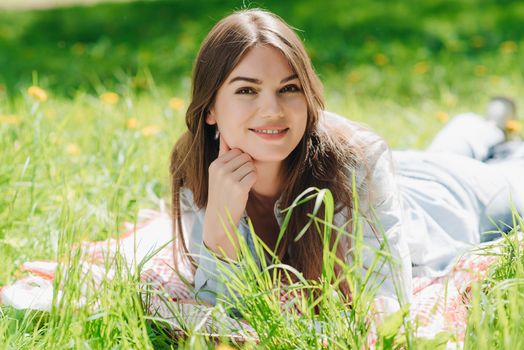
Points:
x=269, y=180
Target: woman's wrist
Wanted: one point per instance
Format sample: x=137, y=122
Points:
x=216, y=239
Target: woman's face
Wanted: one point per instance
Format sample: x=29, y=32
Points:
x=260, y=108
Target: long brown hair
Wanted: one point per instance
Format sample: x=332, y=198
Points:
x=321, y=159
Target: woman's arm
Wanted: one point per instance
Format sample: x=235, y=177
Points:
x=231, y=177
x=210, y=269
x=380, y=207
x=383, y=229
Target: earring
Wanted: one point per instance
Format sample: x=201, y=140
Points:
x=217, y=134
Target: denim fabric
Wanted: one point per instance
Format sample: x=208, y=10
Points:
x=469, y=135
x=454, y=193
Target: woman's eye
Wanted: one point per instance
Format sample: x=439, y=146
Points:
x=291, y=88
x=245, y=91
x=250, y=91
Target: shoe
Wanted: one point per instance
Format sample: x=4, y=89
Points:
x=502, y=112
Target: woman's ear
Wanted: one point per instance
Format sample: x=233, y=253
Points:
x=210, y=117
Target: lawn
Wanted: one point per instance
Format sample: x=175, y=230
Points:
x=88, y=146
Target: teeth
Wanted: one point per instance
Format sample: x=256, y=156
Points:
x=270, y=131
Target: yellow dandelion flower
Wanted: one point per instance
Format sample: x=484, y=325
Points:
x=72, y=149
x=421, y=67
x=50, y=113
x=78, y=49
x=37, y=93
x=380, y=59
x=176, y=103
x=354, y=77
x=508, y=47
x=2, y=87
x=10, y=119
x=55, y=140
x=140, y=82
x=513, y=126
x=480, y=70
x=224, y=347
x=478, y=41
x=150, y=130
x=132, y=123
x=494, y=79
x=453, y=45
x=442, y=117
x=370, y=39
x=450, y=99
x=110, y=98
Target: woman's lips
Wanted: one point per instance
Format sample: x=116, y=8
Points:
x=270, y=136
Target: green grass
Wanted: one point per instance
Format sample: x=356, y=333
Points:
x=75, y=167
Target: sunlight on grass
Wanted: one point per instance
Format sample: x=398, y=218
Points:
x=84, y=149
x=77, y=169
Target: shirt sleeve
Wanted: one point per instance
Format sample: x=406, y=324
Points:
x=209, y=275
x=211, y=269
x=385, y=250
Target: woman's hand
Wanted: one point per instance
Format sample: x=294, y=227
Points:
x=231, y=177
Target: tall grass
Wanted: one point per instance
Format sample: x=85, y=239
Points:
x=72, y=172
x=495, y=320
x=77, y=169
x=80, y=163
x=316, y=313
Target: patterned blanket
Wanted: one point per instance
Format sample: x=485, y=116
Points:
x=439, y=304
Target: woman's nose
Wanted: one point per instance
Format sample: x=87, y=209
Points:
x=271, y=106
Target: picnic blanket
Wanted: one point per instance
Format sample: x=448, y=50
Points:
x=438, y=305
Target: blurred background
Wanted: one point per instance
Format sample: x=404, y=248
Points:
x=396, y=50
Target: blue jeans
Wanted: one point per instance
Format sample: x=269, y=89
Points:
x=472, y=136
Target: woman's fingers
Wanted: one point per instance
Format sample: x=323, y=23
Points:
x=233, y=164
x=237, y=162
x=231, y=177
x=243, y=171
x=249, y=180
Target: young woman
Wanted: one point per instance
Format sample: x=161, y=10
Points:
x=258, y=136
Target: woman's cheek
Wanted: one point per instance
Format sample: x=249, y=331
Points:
x=234, y=137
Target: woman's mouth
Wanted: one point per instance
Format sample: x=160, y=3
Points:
x=270, y=134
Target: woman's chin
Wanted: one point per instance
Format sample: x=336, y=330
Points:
x=268, y=159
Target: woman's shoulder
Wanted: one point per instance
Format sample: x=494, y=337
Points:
x=370, y=144
x=187, y=202
x=373, y=166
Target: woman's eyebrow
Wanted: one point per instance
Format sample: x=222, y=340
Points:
x=258, y=81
